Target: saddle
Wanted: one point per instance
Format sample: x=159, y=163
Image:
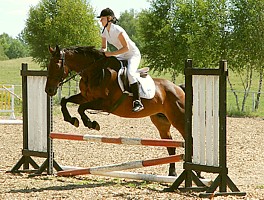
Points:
x=143, y=73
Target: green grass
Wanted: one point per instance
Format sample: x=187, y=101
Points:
x=10, y=74
x=10, y=70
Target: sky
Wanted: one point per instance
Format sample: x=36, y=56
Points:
x=13, y=13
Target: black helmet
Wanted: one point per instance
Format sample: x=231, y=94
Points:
x=107, y=12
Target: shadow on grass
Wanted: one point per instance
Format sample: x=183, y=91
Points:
x=83, y=183
x=72, y=186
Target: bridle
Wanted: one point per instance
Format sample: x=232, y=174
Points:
x=62, y=59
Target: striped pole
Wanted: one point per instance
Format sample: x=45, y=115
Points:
x=118, y=140
x=138, y=176
x=122, y=166
x=130, y=175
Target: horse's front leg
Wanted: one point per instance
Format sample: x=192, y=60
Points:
x=77, y=99
x=93, y=105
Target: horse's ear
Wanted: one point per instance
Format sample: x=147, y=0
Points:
x=51, y=50
x=57, y=49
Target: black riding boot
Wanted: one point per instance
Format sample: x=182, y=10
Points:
x=137, y=105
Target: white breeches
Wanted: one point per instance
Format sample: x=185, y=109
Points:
x=133, y=64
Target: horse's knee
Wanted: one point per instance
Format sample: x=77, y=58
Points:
x=81, y=109
x=63, y=101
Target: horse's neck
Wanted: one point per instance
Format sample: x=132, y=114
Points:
x=76, y=64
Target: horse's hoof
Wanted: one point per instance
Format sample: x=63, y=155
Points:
x=96, y=126
x=75, y=122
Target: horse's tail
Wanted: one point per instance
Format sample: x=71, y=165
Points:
x=182, y=86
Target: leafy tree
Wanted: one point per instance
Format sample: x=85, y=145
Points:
x=2, y=54
x=246, y=43
x=129, y=21
x=5, y=40
x=17, y=50
x=175, y=30
x=155, y=30
x=62, y=22
x=13, y=48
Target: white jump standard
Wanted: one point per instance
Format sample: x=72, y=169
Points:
x=205, y=125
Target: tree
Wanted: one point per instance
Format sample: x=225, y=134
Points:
x=246, y=43
x=175, y=30
x=155, y=30
x=17, y=50
x=2, y=54
x=129, y=21
x=62, y=22
x=13, y=48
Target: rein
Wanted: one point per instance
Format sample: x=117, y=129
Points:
x=62, y=58
x=116, y=104
x=67, y=80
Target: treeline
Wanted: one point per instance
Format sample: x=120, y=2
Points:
x=11, y=48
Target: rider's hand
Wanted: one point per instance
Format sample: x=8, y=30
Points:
x=108, y=54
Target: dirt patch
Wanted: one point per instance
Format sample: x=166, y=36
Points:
x=245, y=162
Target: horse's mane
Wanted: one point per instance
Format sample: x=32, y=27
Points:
x=91, y=53
x=85, y=51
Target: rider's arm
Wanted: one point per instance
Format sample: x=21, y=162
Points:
x=122, y=50
x=104, y=44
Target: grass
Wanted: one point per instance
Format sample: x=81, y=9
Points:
x=10, y=74
x=10, y=70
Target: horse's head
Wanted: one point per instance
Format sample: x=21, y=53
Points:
x=57, y=71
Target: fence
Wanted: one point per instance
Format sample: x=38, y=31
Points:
x=7, y=100
x=250, y=101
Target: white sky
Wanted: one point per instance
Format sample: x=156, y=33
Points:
x=13, y=13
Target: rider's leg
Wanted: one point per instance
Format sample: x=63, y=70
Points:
x=137, y=105
x=132, y=67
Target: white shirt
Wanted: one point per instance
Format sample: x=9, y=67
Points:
x=112, y=38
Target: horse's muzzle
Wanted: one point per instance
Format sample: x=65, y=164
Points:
x=51, y=91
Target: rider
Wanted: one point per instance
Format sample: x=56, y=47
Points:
x=126, y=50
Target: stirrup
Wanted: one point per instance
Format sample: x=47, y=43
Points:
x=137, y=106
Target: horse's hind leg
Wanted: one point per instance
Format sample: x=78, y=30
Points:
x=163, y=125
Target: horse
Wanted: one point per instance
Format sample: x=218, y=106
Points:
x=99, y=90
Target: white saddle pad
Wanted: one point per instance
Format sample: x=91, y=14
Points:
x=146, y=86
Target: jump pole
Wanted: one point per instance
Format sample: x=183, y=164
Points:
x=136, y=176
x=118, y=140
x=122, y=166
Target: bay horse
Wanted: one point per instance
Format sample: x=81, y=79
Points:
x=99, y=90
